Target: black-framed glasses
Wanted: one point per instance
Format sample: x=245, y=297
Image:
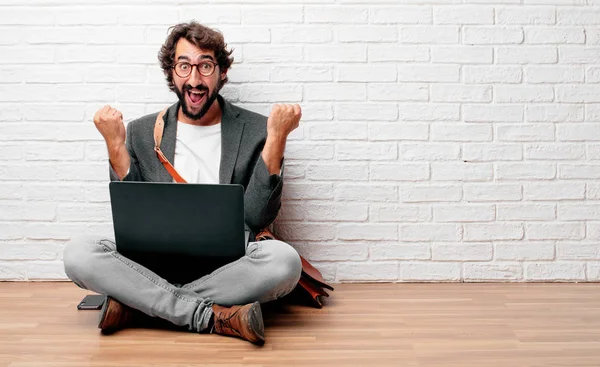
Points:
x=205, y=68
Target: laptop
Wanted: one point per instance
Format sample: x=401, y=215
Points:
x=181, y=220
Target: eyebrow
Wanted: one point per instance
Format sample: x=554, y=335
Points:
x=202, y=57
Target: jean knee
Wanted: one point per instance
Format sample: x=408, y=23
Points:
x=78, y=258
x=287, y=266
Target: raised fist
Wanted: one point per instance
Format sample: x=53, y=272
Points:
x=284, y=118
x=109, y=122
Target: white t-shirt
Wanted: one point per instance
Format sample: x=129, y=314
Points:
x=198, y=152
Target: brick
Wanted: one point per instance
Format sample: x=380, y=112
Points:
x=553, y=191
x=306, y=232
x=492, y=192
x=578, y=93
x=593, y=75
x=11, y=151
x=592, y=35
x=492, y=35
x=27, y=211
x=525, y=171
x=398, y=131
x=316, y=112
x=460, y=93
x=577, y=251
x=486, y=152
x=578, y=211
x=463, y=15
x=391, y=52
x=592, y=191
x=430, y=271
x=214, y=14
x=402, y=251
x=526, y=212
x=554, y=74
x=399, y=172
x=575, y=16
x=525, y=132
x=464, y=213
x=12, y=270
x=27, y=55
x=592, y=271
x=53, y=151
x=555, y=271
x=347, y=251
x=275, y=93
x=554, y=231
x=300, y=34
x=326, y=212
x=461, y=172
x=428, y=73
x=336, y=172
x=461, y=132
x=367, y=232
x=527, y=55
x=577, y=132
x=417, y=92
x=593, y=151
x=579, y=54
x=492, y=272
x=526, y=15
x=272, y=14
x=53, y=192
x=400, y=15
x=554, y=151
x=27, y=16
x=80, y=213
x=399, y=213
x=475, y=74
x=335, y=53
x=366, y=111
x=366, y=73
x=366, y=151
x=462, y=54
x=429, y=232
x=29, y=251
x=10, y=231
x=338, y=131
x=418, y=194
x=528, y=251
x=256, y=53
x=379, y=271
x=429, y=112
x=461, y=252
x=523, y=94
x=335, y=92
x=365, y=192
x=45, y=270
x=554, y=113
x=307, y=191
x=308, y=151
x=366, y=34
x=492, y=113
x=553, y=35
x=336, y=14
x=429, y=152
x=133, y=35
x=492, y=231
x=300, y=74
x=429, y=34
x=578, y=171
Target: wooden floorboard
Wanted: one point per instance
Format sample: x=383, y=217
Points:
x=421, y=325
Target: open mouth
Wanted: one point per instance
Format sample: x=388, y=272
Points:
x=195, y=98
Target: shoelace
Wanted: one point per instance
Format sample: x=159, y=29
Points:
x=226, y=323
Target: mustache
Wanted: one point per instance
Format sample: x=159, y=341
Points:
x=199, y=88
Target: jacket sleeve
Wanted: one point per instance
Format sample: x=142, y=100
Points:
x=133, y=173
x=262, y=199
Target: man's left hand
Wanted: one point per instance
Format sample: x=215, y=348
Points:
x=284, y=118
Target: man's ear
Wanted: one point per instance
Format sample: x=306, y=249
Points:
x=224, y=74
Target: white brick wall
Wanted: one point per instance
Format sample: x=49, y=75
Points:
x=442, y=140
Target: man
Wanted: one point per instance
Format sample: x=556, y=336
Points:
x=209, y=140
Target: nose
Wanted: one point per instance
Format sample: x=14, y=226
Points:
x=195, y=77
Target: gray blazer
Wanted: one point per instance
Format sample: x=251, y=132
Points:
x=243, y=135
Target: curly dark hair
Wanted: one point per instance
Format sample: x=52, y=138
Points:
x=199, y=35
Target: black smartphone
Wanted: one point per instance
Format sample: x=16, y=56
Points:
x=91, y=302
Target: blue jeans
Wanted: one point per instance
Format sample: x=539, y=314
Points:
x=269, y=270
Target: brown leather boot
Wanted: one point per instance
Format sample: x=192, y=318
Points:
x=244, y=322
x=115, y=316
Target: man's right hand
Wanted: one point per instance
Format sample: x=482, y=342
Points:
x=109, y=122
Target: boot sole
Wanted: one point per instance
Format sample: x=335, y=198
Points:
x=256, y=323
x=103, y=312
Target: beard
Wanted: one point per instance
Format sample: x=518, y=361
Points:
x=205, y=107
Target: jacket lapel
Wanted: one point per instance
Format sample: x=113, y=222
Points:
x=231, y=134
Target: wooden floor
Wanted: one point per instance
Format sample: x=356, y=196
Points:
x=361, y=325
